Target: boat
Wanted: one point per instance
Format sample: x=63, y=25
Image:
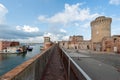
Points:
x=29, y=48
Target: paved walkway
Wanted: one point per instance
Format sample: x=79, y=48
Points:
x=55, y=69
x=95, y=67
x=77, y=55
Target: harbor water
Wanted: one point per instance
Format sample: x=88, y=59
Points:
x=10, y=61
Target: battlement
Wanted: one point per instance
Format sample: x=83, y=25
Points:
x=101, y=20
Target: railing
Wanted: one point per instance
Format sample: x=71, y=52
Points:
x=30, y=70
x=74, y=72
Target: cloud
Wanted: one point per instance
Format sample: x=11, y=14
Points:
x=3, y=12
x=70, y=14
x=8, y=32
x=27, y=28
x=65, y=38
x=56, y=36
x=63, y=31
x=38, y=39
x=19, y=33
x=23, y=33
x=114, y=2
x=86, y=25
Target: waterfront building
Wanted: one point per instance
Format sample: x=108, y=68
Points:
x=5, y=44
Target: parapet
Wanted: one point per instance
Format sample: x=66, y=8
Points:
x=101, y=19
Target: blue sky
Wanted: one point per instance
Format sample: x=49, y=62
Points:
x=31, y=20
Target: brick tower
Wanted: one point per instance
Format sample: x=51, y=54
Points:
x=100, y=28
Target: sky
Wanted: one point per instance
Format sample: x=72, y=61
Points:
x=32, y=20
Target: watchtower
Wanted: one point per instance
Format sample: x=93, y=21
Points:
x=46, y=39
x=47, y=42
x=100, y=28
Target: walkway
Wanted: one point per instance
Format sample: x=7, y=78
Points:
x=98, y=66
x=55, y=69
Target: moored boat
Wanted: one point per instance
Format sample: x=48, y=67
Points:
x=29, y=48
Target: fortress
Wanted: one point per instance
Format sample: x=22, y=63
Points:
x=100, y=28
x=101, y=39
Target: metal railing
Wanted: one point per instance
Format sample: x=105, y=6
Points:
x=74, y=71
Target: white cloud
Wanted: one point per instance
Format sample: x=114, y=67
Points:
x=55, y=37
x=114, y=2
x=63, y=31
x=70, y=14
x=66, y=38
x=3, y=12
x=42, y=18
x=27, y=28
x=38, y=39
x=86, y=25
x=76, y=24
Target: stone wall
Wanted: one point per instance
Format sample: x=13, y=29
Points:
x=111, y=44
x=30, y=70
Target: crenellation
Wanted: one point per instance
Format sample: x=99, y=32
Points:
x=100, y=18
x=101, y=21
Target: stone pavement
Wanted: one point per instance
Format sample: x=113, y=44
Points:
x=55, y=69
x=98, y=66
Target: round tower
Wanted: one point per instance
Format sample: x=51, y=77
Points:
x=100, y=28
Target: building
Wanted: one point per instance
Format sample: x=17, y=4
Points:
x=101, y=39
x=111, y=44
x=76, y=42
x=5, y=44
x=85, y=45
x=47, y=42
x=64, y=44
x=77, y=38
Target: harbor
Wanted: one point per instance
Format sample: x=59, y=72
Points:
x=59, y=40
x=9, y=61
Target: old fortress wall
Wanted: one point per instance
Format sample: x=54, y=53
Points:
x=101, y=39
